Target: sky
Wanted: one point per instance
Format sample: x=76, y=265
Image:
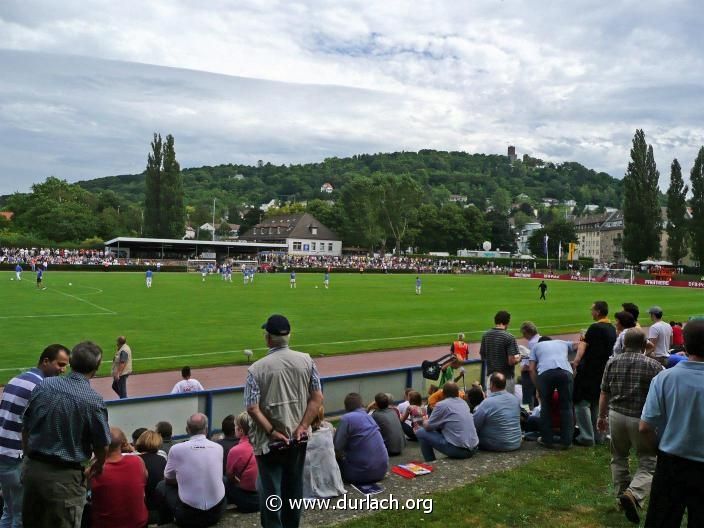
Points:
x=84, y=85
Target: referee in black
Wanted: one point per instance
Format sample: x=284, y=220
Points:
x=543, y=288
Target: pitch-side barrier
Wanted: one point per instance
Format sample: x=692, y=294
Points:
x=132, y=413
x=616, y=280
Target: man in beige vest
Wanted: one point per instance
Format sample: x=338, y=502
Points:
x=282, y=395
x=121, y=367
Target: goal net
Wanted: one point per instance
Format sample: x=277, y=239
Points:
x=239, y=265
x=197, y=264
x=617, y=276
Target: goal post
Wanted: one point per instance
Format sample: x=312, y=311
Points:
x=197, y=264
x=614, y=276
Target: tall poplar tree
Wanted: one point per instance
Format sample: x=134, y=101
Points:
x=172, y=210
x=697, y=202
x=152, y=195
x=641, y=212
x=676, y=215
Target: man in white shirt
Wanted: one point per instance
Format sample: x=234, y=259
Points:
x=187, y=384
x=192, y=484
x=660, y=335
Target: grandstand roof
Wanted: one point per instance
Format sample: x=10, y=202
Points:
x=176, y=241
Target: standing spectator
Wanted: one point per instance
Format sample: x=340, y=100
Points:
x=192, y=485
x=460, y=348
x=450, y=428
x=282, y=394
x=633, y=310
x=187, y=384
x=148, y=446
x=241, y=470
x=500, y=351
x=121, y=367
x=52, y=362
x=124, y=477
x=230, y=438
x=65, y=423
x=551, y=371
x=660, y=335
x=624, y=388
x=677, y=336
x=530, y=333
x=592, y=354
x=498, y=418
x=624, y=321
x=673, y=422
x=359, y=445
x=389, y=424
x=166, y=432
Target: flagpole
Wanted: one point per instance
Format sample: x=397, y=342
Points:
x=559, y=254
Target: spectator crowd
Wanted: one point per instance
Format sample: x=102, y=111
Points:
x=62, y=463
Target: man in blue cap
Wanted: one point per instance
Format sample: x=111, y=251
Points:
x=282, y=395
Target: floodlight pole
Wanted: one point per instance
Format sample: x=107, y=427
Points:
x=213, y=219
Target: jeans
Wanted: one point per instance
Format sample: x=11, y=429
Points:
x=11, y=485
x=246, y=501
x=624, y=437
x=562, y=381
x=528, y=389
x=408, y=430
x=587, y=412
x=430, y=440
x=53, y=495
x=120, y=386
x=280, y=475
x=676, y=486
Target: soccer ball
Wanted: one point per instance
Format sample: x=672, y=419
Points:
x=12, y=278
x=316, y=287
x=70, y=284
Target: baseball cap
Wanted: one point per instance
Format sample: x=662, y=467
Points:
x=655, y=310
x=277, y=325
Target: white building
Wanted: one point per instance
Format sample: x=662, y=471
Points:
x=525, y=235
x=302, y=233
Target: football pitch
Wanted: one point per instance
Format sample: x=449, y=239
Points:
x=184, y=321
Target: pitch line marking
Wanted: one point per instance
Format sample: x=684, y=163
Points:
x=106, y=310
x=55, y=315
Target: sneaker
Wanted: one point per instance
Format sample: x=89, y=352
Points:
x=630, y=506
x=550, y=445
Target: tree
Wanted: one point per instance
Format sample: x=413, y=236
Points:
x=399, y=198
x=361, y=207
x=560, y=231
x=172, y=211
x=500, y=234
x=501, y=200
x=152, y=190
x=696, y=176
x=676, y=215
x=641, y=212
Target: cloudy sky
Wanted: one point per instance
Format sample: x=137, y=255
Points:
x=85, y=84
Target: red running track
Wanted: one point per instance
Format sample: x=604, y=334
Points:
x=154, y=383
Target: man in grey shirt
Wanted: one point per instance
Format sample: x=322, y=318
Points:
x=498, y=418
x=660, y=335
x=450, y=428
x=390, y=425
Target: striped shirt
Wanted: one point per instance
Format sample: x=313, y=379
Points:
x=497, y=345
x=14, y=401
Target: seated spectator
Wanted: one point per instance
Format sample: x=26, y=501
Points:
x=192, y=485
x=359, y=446
x=624, y=321
x=450, y=429
x=321, y=474
x=389, y=424
x=498, y=418
x=475, y=395
x=241, y=470
x=135, y=436
x=124, y=477
x=187, y=384
x=438, y=396
x=229, y=439
x=148, y=446
x=405, y=403
x=165, y=431
x=414, y=413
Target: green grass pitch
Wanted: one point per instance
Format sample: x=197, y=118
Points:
x=182, y=320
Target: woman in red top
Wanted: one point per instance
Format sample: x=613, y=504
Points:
x=118, y=492
x=241, y=470
x=677, y=336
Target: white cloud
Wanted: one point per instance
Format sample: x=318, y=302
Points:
x=565, y=81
